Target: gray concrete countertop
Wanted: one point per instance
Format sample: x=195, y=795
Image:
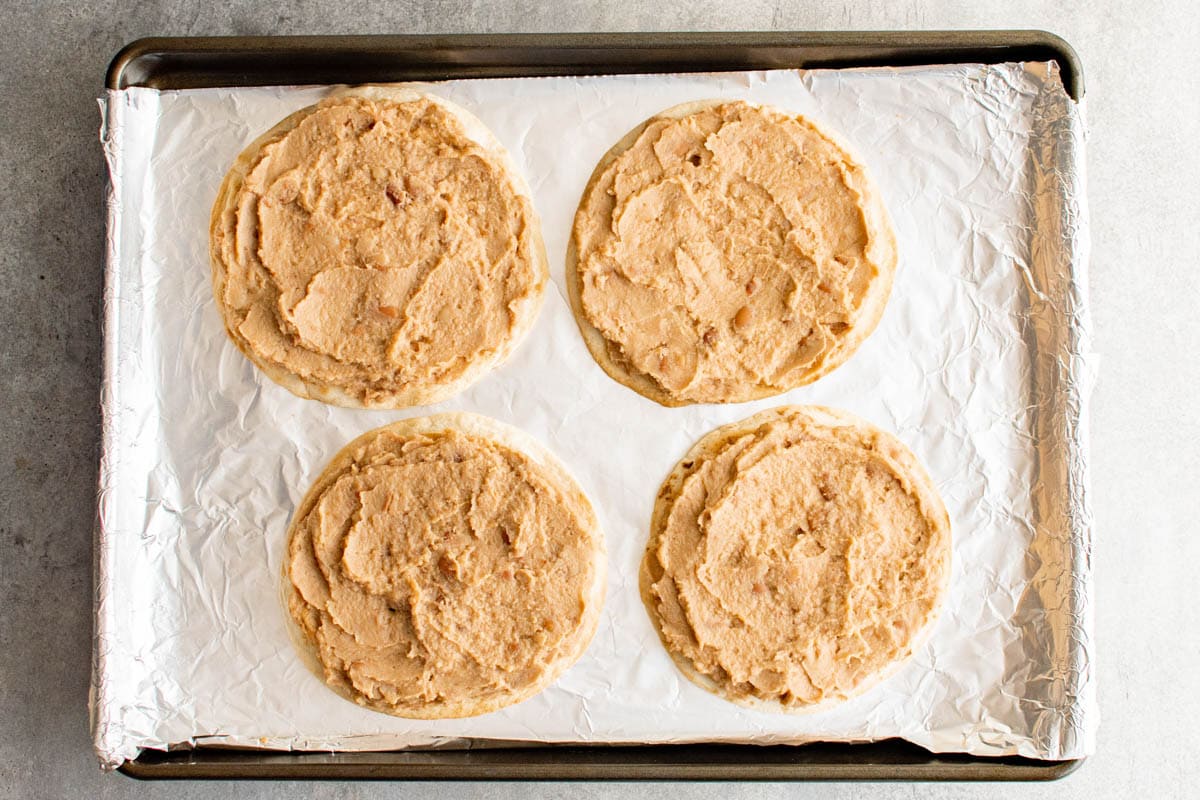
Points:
x=1141, y=63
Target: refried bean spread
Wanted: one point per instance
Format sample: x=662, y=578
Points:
x=794, y=557
x=371, y=252
x=728, y=253
x=443, y=573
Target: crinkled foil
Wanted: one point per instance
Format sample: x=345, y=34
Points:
x=981, y=364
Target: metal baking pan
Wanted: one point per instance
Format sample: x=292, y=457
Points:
x=185, y=63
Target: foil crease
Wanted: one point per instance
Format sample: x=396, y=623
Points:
x=982, y=365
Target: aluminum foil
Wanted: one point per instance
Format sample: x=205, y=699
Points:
x=981, y=364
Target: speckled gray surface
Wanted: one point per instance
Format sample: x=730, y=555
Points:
x=1141, y=66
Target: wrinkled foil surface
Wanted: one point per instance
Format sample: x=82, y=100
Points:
x=981, y=364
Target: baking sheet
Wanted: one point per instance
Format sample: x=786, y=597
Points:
x=980, y=364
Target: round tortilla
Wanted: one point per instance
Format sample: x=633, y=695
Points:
x=571, y=645
x=883, y=256
x=414, y=393
x=932, y=563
